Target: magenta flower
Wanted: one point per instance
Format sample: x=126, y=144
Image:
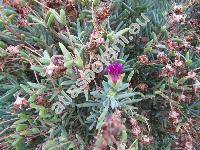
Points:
x=115, y=70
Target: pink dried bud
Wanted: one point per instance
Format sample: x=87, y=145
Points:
x=198, y=49
x=147, y=140
x=95, y=34
x=192, y=75
x=197, y=86
x=13, y=50
x=171, y=45
x=162, y=57
x=182, y=98
x=23, y=11
x=143, y=59
x=174, y=115
x=193, y=22
x=186, y=44
x=56, y=68
x=111, y=130
x=118, y=114
x=136, y=131
x=175, y=18
x=168, y=71
x=102, y=13
x=143, y=87
x=133, y=122
x=57, y=60
x=185, y=142
x=95, y=40
x=179, y=63
x=100, y=41
x=19, y=103
x=53, y=3
x=25, y=103
x=22, y=22
x=50, y=69
x=188, y=143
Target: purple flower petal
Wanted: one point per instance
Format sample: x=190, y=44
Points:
x=114, y=71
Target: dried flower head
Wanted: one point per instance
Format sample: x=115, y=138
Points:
x=178, y=9
x=95, y=40
x=147, y=140
x=198, y=49
x=168, y=71
x=12, y=3
x=1, y=146
x=192, y=75
x=174, y=18
x=174, y=116
x=111, y=130
x=143, y=87
x=184, y=142
x=41, y=101
x=143, y=59
x=197, y=86
x=56, y=67
x=2, y=66
x=102, y=13
x=172, y=46
x=19, y=103
x=179, y=63
x=53, y=3
x=162, y=57
x=193, y=22
x=182, y=98
x=71, y=10
x=13, y=50
x=69, y=5
x=22, y=22
x=23, y=13
x=188, y=142
x=114, y=71
x=136, y=130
